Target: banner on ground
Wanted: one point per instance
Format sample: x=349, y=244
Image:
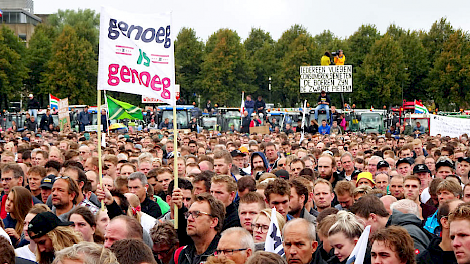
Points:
x=153, y=100
x=331, y=79
x=122, y=110
x=64, y=117
x=448, y=126
x=136, y=54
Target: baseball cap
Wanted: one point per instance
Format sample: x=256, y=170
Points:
x=236, y=153
x=47, y=181
x=30, y=95
x=282, y=174
x=365, y=175
x=383, y=164
x=405, y=160
x=243, y=149
x=466, y=159
x=444, y=163
x=421, y=168
x=43, y=223
x=355, y=173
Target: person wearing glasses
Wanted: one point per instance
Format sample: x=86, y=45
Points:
x=235, y=244
x=204, y=221
x=260, y=226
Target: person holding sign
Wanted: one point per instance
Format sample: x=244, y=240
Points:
x=323, y=103
x=340, y=58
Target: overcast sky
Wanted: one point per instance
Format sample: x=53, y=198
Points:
x=342, y=18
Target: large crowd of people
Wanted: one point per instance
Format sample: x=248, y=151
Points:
x=413, y=192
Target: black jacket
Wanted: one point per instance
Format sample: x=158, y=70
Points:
x=435, y=255
x=231, y=217
x=189, y=255
x=151, y=208
x=321, y=256
x=45, y=122
x=33, y=104
x=245, y=125
x=31, y=126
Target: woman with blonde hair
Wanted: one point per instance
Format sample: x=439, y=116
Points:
x=134, y=210
x=343, y=235
x=261, y=223
x=18, y=203
x=29, y=251
x=51, y=235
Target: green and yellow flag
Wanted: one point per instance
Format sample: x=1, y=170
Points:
x=123, y=110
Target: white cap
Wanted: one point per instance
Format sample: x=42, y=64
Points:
x=30, y=95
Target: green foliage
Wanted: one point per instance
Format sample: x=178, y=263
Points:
x=259, y=48
x=225, y=73
x=85, y=22
x=450, y=77
x=382, y=74
x=72, y=70
x=12, y=68
x=189, y=52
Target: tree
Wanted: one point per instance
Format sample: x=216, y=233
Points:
x=416, y=62
x=450, y=77
x=72, y=70
x=434, y=40
x=225, y=73
x=38, y=55
x=259, y=47
x=12, y=68
x=85, y=22
x=360, y=44
x=189, y=52
x=380, y=79
x=296, y=48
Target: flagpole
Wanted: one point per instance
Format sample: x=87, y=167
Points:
x=100, y=169
x=175, y=159
x=107, y=112
x=241, y=114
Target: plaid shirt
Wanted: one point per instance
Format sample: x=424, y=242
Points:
x=93, y=208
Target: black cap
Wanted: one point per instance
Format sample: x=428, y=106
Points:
x=282, y=174
x=466, y=159
x=48, y=181
x=405, y=160
x=421, y=168
x=444, y=163
x=236, y=153
x=43, y=223
x=383, y=164
x=355, y=173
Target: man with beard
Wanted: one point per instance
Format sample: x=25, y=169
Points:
x=327, y=169
x=223, y=164
x=271, y=155
x=298, y=199
x=204, y=222
x=64, y=197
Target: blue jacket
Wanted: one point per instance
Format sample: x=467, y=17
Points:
x=432, y=224
x=84, y=118
x=250, y=104
x=324, y=130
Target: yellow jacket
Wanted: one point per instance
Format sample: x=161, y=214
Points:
x=340, y=61
x=325, y=60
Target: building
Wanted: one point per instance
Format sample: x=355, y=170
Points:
x=19, y=16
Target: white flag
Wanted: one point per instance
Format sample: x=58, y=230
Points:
x=273, y=239
x=136, y=54
x=359, y=251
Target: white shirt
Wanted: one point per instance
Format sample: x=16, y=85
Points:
x=26, y=253
x=147, y=221
x=425, y=196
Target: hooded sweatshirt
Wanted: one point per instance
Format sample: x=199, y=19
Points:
x=413, y=225
x=265, y=161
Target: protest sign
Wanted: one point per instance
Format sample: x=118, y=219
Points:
x=136, y=54
x=331, y=79
x=448, y=126
x=64, y=117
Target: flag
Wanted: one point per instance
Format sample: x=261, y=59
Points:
x=123, y=110
x=302, y=137
x=273, y=239
x=53, y=102
x=359, y=251
x=420, y=108
x=1, y=13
